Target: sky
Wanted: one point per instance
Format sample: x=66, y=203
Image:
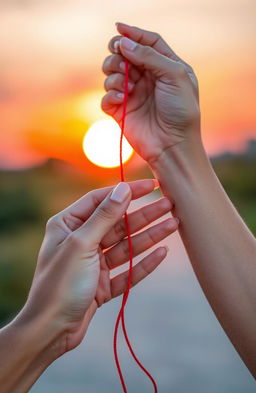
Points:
x=51, y=80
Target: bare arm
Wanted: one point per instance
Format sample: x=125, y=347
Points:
x=27, y=348
x=163, y=126
x=221, y=248
x=82, y=244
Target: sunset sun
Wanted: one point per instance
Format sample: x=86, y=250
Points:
x=101, y=144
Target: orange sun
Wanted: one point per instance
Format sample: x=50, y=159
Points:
x=101, y=144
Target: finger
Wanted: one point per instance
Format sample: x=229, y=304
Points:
x=152, y=39
x=137, y=220
x=71, y=218
x=117, y=82
x=140, y=271
x=108, y=212
x=111, y=102
x=106, y=215
x=85, y=206
x=144, y=37
x=162, y=67
x=149, y=38
x=111, y=64
x=114, y=47
x=141, y=242
x=116, y=64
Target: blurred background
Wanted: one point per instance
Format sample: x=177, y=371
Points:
x=50, y=91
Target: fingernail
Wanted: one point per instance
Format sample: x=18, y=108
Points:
x=161, y=250
x=116, y=46
x=167, y=248
x=120, y=193
x=121, y=23
x=156, y=183
x=169, y=224
x=128, y=44
x=122, y=66
x=177, y=220
x=166, y=204
x=130, y=86
x=120, y=95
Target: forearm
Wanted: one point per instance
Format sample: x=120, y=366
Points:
x=221, y=248
x=26, y=350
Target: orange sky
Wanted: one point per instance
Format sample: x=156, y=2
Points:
x=51, y=55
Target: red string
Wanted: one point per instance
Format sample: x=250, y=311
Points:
x=121, y=315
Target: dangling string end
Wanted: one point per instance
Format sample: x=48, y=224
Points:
x=120, y=317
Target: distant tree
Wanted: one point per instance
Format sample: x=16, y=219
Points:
x=18, y=205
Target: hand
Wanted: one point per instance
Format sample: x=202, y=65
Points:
x=82, y=245
x=163, y=108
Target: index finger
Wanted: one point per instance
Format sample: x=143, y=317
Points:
x=147, y=38
x=71, y=218
x=86, y=205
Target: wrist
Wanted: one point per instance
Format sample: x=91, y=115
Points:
x=186, y=157
x=33, y=353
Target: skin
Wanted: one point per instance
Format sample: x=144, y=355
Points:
x=163, y=126
x=82, y=244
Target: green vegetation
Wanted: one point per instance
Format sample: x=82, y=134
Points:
x=238, y=176
x=29, y=198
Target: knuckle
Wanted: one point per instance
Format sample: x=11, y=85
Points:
x=106, y=64
x=112, y=42
x=195, y=114
x=106, y=102
x=192, y=75
x=146, y=269
x=105, y=211
x=76, y=240
x=157, y=36
x=147, y=51
x=125, y=247
x=103, y=103
x=113, y=81
x=108, y=261
x=194, y=79
x=111, y=64
x=106, y=84
x=52, y=223
x=165, y=204
x=90, y=194
x=145, y=215
x=181, y=70
x=152, y=235
x=103, y=296
x=190, y=69
x=115, y=62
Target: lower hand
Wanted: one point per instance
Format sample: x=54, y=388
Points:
x=82, y=245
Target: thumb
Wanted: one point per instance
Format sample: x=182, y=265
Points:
x=110, y=211
x=147, y=57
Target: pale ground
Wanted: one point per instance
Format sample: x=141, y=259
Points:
x=174, y=332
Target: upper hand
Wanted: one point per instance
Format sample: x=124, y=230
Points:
x=82, y=244
x=163, y=107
